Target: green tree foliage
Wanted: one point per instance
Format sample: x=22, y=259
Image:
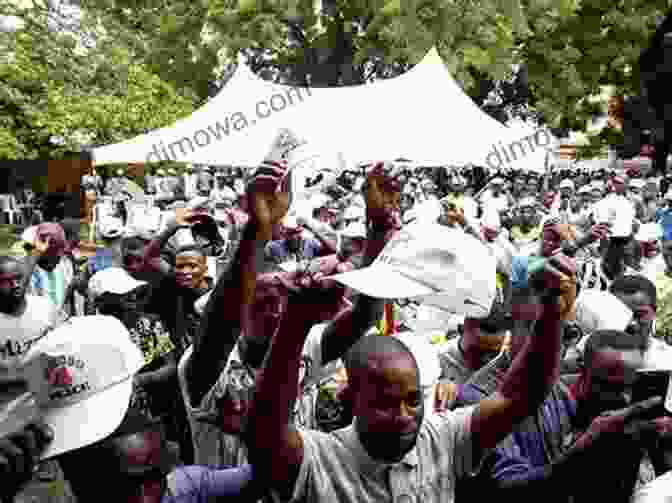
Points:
x=597, y=44
x=546, y=56
x=65, y=82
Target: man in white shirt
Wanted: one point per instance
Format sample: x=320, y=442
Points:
x=25, y=319
x=495, y=200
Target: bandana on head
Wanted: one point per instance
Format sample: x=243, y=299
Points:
x=55, y=232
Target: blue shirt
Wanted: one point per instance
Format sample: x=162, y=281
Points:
x=520, y=271
x=103, y=259
x=664, y=218
x=202, y=484
x=536, y=442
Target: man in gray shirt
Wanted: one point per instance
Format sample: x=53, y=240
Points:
x=391, y=452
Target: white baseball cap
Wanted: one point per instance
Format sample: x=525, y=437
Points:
x=600, y=310
x=113, y=280
x=432, y=264
x=527, y=202
x=86, y=383
x=29, y=234
x=199, y=203
x=567, y=184
x=425, y=356
x=637, y=183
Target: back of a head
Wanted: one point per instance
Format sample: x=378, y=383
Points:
x=631, y=284
x=103, y=456
x=608, y=339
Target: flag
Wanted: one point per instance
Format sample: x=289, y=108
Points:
x=387, y=324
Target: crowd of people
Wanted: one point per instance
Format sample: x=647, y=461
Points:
x=398, y=334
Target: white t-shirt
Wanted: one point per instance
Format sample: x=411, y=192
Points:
x=19, y=333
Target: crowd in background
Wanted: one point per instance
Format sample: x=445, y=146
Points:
x=272, y=358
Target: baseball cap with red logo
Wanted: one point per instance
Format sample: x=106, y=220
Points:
x=84, y=390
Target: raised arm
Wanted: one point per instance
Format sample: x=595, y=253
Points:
x=230, y=307
x=382, y=193
x=535, y=369
x=152, y=255
x=275, y=446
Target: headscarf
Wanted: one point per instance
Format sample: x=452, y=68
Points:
x=55, y=233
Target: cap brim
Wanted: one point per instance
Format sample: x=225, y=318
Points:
x=89, y=421
x=381, y=282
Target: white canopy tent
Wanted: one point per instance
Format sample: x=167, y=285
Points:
x=421, y=115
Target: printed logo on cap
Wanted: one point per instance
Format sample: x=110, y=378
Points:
x=65, y=375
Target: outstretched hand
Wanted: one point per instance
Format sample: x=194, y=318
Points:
x=632, y=422
x=19, y=454
x=269, y=196
x=382, y=192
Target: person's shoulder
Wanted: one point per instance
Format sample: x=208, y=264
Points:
x=438, y=425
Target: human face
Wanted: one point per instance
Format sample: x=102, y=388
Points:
x=50, y=260
x=12, y=293
x=190, y=269
x=527, y=215
x=388, y=406
x=133, y=261
x=644, y=313
x=650, y=192
x=607, y=383
x=551, y=241
x=645, y=169
x=618, y=185
x=519, y=185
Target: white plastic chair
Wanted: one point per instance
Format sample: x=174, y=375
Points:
x=10, y=209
